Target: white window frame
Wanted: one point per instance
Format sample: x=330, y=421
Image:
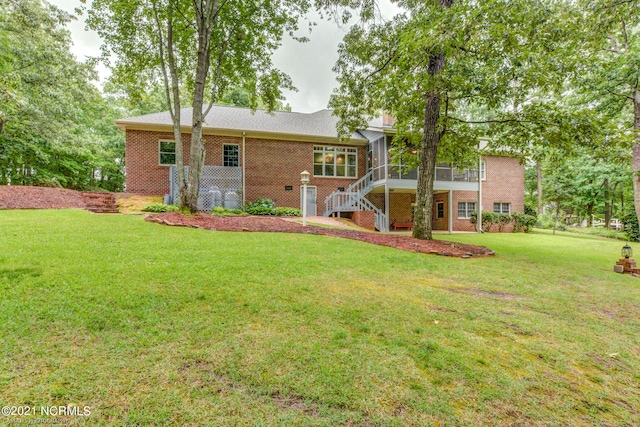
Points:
x=483, y=170
x=160, y=152
x=502, y=204
x=231, y=144
x=466, y=209
x=349, y=151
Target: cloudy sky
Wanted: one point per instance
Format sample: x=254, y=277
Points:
x=308, y=64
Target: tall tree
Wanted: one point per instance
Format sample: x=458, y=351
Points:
x=435, y=64
x=205, y=46
x=55, y=127
x=610, y=77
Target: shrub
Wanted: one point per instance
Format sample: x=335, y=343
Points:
x=160, y=207
x=523, y=222
x=630, y=224
x=287, y=212
x=261, y=206
x=547, y=219
x=502, y=219
x=488, y=219
x=221, y=211
x=531, y=211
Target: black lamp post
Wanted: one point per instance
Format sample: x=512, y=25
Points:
x=627, y=252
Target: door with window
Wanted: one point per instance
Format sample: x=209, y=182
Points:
x=311, y=200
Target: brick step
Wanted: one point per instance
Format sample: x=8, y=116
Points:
x=103, y=210
x=100, y=202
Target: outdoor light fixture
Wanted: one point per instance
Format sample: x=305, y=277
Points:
x=627, y=252
x=304, y=178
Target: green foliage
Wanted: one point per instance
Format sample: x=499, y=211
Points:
x=221, y=211
x=160, y=207
x=531, y=211
x=264, y=206
x=261, y=206
x=502, y=220
x=284, y=211
x=547, y=219
x=55, y=127
x=630, y=224
x=523, y=222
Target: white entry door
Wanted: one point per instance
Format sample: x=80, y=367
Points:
x=311, y=201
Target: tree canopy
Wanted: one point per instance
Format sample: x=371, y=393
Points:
x=55, y=127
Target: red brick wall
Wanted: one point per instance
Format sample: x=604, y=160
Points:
x=400, y=206
x=270, y=166
x=504, y=183
x=365, y=219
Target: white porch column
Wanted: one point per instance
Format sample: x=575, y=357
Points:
x=480, y=195
x=386, y=185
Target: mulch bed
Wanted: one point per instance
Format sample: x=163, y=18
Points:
x=26, y=197
x=270, y=224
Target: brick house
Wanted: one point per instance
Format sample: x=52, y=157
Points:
x=251, y=155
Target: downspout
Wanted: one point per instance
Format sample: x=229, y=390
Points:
x=244, y=186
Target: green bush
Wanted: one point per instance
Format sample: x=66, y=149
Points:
x=546, y=221
x=261, y=206
x=502, y=219
x=160, y=207
x=630, y=224
x=221, y=211
x=287, y=212
x=488, y=219
x=523, y=222
x=531, y=211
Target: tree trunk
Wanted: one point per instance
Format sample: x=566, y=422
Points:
x=636, y=151
x=607, y=204
x=197, y=152
x=172, y=93
x=590, y=215
x=432, y=133
x=539, y=175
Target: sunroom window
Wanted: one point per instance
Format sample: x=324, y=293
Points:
x=335, y=161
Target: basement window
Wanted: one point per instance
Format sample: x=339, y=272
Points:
x=465, y=209
x=502, y=208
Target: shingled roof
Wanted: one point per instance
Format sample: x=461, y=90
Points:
x=321, y=124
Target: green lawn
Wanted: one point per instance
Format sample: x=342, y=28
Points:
x=154, y=325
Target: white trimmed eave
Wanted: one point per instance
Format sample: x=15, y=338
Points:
x=124, y=126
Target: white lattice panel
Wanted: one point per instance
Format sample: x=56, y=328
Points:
x=219, y=186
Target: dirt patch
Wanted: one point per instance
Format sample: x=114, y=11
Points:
x=483, y=292
x=134, y=203
x=26, y=197
x=270, y=224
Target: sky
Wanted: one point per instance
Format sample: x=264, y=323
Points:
x=309, y=64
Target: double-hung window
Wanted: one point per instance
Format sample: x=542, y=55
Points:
x=167, y=153
x=502, y=208
x=465, y=209
x=335, y=161
x=230, y=155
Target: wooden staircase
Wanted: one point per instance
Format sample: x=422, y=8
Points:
x=100, y=202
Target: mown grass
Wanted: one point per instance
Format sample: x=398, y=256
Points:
x=154, y=325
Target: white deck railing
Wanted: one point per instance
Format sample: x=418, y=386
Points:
x=353, y=199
